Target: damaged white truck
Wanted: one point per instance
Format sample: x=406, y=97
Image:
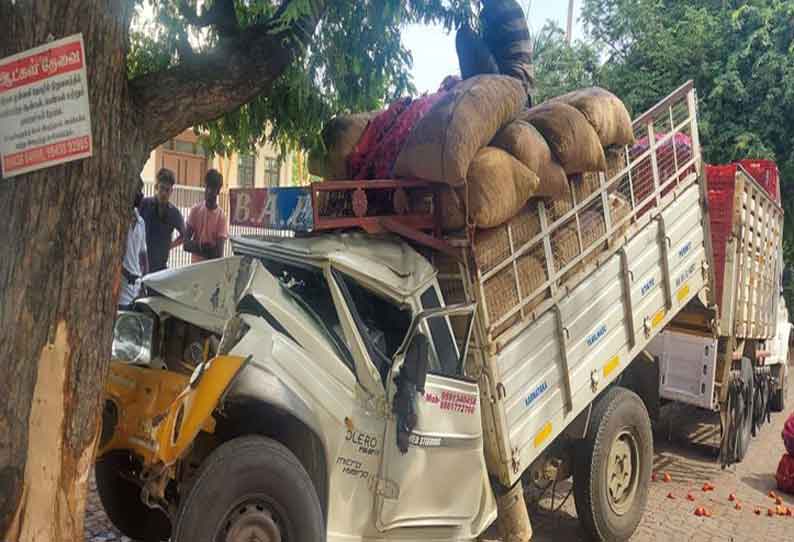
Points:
x=354, y=386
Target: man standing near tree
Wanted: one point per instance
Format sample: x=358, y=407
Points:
x=133, y=266
x=162, y=218
x=207, y=230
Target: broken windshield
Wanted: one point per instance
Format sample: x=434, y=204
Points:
x=307, y=287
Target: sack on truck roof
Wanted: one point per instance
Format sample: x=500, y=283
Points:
x=572, y=139
x=605, y=112
x=498, y=186
x=526, y=143
x=453, y=211
x=443, y=143
x=340, y=136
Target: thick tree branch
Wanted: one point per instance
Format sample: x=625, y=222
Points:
x=209, y=85
x=221, y=15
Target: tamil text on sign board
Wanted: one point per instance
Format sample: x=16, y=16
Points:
x=44, y=114
x=287, y=208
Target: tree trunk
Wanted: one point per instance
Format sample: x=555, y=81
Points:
x=63, y=229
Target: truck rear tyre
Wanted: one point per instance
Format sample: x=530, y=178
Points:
x=251, y=488
x=612, y=467
x=777, y=403
x=748, y=406
x=121, y=499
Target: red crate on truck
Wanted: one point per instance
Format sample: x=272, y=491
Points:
x=721, y=184
x=766, y=173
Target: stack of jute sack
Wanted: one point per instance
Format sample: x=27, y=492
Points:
x=491, y=152
x=496, y=159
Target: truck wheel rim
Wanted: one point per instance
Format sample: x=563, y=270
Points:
x=622, y=472
x=254, y=520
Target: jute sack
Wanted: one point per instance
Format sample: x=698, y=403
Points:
x=605, y=111
x=523, y=141
x=340, y=136
x=572, y=139
x=444, y=142
x=619, y=208
x=588, y=182
x=498, y=187
x=453, y=210
x=531, y=276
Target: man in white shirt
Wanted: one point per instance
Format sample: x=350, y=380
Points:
x=134, y=264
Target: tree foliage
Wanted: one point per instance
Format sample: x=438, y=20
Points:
x=355, y=61
x=740, y=55
x=560, y=67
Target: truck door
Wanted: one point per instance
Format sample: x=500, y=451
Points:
x=434, y=474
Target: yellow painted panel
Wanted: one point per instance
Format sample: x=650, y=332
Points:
x=141, y=395
x=191, y=411
x=611, y=365
x=682, y=292
x=543, y=434
x=657, y=318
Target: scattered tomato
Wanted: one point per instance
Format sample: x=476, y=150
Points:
x=707, y=512
x=732, y=497
x=738, y=506
x=770, y=512
x=653, y=477
x=699, y=511
x=667, y=477
x=670, y=496
x=757, y=511
x=689, y=497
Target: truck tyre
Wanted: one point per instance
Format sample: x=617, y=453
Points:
x=612, y=466
x=121, y=500
x=746, y=423
x=777, y=403
x=251, y=488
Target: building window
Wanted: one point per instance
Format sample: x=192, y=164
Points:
x=186, y=147
x=245, y=170
x=272, y=171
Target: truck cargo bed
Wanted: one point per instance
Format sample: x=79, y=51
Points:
x=558, y=339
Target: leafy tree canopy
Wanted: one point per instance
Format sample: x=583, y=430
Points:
x=355, y=61
x=739, y=54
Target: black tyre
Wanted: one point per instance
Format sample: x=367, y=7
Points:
x=613, y=466
x=747, y=409
x=777, y=403
x=121, y=500
x=251, y=488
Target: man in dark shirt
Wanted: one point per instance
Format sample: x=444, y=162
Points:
x=162, y=218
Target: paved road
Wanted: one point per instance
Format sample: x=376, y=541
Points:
x=686, y=447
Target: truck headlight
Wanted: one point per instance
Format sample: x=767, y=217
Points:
x=132, y=337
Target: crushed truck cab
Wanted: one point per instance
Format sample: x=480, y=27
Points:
x=313, y=358
x=340, y=385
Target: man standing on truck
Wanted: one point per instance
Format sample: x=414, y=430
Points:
x=207, y=229
x=504, y=47
x=162, y=218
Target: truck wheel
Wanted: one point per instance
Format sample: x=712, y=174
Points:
x=251, y=488
x=121, y=499
x=613, y=466
x=748, y=398
x=777, y=403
